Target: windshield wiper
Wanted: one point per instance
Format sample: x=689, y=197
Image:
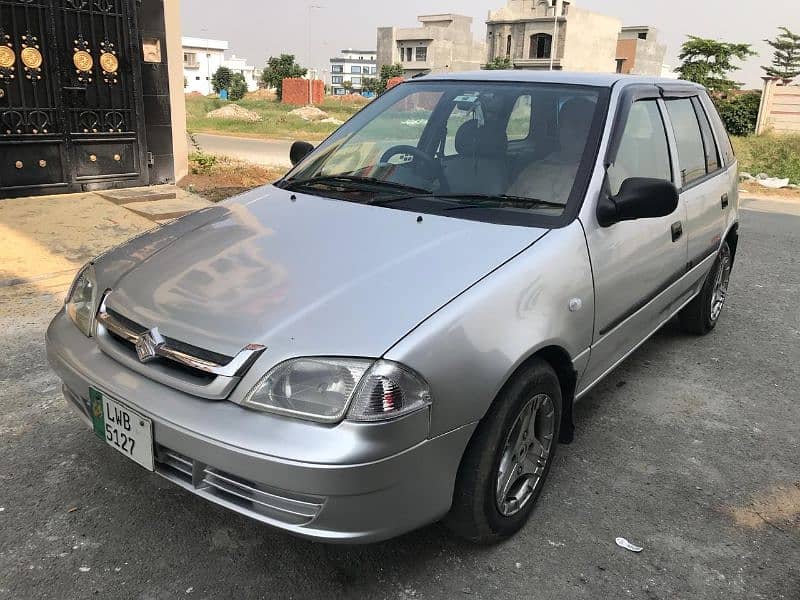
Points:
x=496, y=201
x=477, y=200
x=370, y=182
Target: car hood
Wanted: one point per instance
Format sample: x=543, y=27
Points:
x=310, y=275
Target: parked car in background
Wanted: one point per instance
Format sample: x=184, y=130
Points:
x=396, y=332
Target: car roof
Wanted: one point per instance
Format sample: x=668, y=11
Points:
x=531, y=76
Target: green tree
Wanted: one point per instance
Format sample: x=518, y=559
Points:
x=709, y=62
x=237, y=88
x=280, y=68
x=221, y=80
x=739, y=113
x=785, y=55
x=388, y=72
x=500, y=63
x=347, y=85
x=371, y=84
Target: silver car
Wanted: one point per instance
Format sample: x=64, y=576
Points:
x=396, y=332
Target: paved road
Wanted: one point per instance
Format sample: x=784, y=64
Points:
x=259, y=151
x=690, y=449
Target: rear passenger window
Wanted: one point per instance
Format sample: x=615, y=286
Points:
x=709, y=145
x=691, y=153
x=643, y=151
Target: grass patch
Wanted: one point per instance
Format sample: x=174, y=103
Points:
x=276, y=121
x=225, y=177
x=775, y=155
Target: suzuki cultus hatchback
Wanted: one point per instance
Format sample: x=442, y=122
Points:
x=396, y=332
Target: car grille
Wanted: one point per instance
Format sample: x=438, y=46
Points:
x=252, y=499
x=186, y=367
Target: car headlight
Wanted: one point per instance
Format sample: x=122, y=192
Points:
x=323, y=389
x=81, y=298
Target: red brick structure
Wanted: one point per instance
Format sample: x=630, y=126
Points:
x=296, y=91
x=393, y=82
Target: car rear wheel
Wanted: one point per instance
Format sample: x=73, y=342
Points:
x=700, y=316
x=508, y=458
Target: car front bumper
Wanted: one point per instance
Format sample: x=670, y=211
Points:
x=368, y=490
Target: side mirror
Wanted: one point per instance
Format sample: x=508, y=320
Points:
x=299, y=151
x=638, y=198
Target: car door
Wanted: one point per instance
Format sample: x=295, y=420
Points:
x=704, y=187
x=637, y=265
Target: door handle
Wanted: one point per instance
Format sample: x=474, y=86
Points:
x=677, y=231
x=724, y=201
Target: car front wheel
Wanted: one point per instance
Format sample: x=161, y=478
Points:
x=508, y=458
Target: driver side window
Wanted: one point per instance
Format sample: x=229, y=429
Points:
x=644, y=150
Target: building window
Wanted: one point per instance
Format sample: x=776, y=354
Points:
x=190, y=59
x=337, y=68
x=407, y=54
x=422, y=54
x=356, y=70
x=541, y=45
x=355, y=80
x=643, y=35
x=508, y=46
x=339, y=91
x=620, y=65
x=337, y=79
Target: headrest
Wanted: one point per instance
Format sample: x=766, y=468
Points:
x=474, y=140
x=578, y=112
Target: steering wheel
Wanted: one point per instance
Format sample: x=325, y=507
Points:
x=428, y=166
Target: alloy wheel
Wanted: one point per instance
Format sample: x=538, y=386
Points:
x=525, y=453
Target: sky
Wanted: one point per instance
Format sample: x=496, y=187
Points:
x=257, y=29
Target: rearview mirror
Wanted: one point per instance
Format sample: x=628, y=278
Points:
x=299, y=151
x=638, y=198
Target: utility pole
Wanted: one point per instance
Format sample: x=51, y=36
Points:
x=557, y=9
x=311, y=7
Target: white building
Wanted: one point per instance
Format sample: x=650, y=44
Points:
x=201, y=59
x=353, y=66
x=239, y=65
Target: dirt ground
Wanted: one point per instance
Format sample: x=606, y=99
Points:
x=228, y=177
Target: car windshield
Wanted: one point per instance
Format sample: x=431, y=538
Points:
x=478, y=148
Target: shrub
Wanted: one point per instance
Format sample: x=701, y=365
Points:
x=775, y=155
x=237, y=87
x=740, y=113
x=221, y=80
x=201, y=163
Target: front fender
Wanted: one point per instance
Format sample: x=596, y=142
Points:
x=469, y=348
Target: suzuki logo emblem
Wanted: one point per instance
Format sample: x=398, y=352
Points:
x=148, y=344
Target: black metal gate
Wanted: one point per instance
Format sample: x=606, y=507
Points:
x=70, y=100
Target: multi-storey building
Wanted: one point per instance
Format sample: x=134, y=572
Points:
x=353, y=67
x=639, y=52
x=201, y=59
x=552, y=34
x=443, y=43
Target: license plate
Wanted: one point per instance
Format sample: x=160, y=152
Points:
x=123, y=429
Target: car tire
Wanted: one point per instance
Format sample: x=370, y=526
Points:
x=701, y=315
x=482, y=511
